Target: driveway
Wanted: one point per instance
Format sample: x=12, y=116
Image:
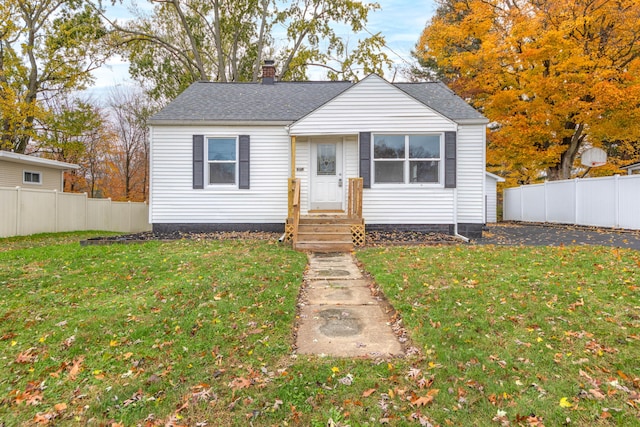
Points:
x=556, y=235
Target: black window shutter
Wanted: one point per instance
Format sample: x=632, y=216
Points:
x=450, y=159
x=365, y=159
x=243, y=161
x=198, y=162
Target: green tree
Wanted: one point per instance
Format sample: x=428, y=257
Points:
x=47, y=49
x=226, y=40
x=78, y=132
x=555, y=77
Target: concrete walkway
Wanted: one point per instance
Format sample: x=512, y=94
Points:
x=338, y=315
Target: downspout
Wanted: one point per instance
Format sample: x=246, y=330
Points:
x=151, y=175
x=455, y=217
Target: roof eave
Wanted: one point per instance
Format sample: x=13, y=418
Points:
x=494, y=176
x=174, y=122
x=31, y=160
x=478, y=121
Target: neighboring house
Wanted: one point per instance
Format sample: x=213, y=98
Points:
x=222, y=155
x=491, y=197
x=19, y=170
x=632, y=169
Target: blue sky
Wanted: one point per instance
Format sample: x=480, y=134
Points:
x=400, y=21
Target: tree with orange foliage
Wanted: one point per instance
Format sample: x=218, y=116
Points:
x=128, y=161
x=554, y=77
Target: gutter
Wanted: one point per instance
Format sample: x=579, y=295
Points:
x=164, y=122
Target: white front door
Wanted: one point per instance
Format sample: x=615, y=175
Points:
x=326, y=176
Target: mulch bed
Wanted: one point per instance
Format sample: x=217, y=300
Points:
x=511, y=234
x=374, y=238
x=178, y=235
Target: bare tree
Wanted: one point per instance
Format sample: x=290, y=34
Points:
x=129, y=110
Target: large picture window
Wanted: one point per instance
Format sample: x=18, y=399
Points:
x=407, y=159
x=222, y=155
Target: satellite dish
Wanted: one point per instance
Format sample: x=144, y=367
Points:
x=594, y=157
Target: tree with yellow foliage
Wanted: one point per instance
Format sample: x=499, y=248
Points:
x=554, y=77
x=48, y=49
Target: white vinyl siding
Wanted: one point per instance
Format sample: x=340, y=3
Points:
x=173, y=200
x=376, y=106
x=424, y=205
x=471, y=173
x=408, y=206
x=373, y=105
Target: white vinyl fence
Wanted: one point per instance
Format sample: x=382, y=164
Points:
x=26, y=211
x=602, y=202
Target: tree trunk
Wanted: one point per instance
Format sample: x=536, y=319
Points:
x=260, y=46
x=222, y=69
x=563, y=169
x=194, y=46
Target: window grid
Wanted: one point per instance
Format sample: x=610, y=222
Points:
x=31, y=177
x=383, y=157
x=222, y=161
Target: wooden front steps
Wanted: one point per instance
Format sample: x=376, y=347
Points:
x=329, y=233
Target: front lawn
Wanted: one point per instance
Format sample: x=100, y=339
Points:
x=201, y=333
x=518, y=336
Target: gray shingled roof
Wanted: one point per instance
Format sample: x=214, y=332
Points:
x=440, y=98
x=289, y=101
x=281, y=102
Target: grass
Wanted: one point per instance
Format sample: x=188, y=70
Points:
x=46, y=239
x=539, y=334
x=201, y=333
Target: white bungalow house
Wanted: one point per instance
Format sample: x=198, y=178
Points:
x=257, y=156
x=19, y=170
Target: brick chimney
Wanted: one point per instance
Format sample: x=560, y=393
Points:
x=268, y=72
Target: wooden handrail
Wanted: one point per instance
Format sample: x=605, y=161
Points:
x=354, y=208
x=294, y=207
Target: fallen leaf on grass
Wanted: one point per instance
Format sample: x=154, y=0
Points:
x=597, y=394
x=604, y=415
x=501, y=417
x=45, y=418
x=425, y=400
x=134, y=398
x=202, y=392
x=369, y=392
x=31, y=396
x=239, y=383
x=69, y=342
x=564, y=403
x=27, y=356
x=414, y=373
x=579, y=303
x=76, y=366
x=347, y=380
